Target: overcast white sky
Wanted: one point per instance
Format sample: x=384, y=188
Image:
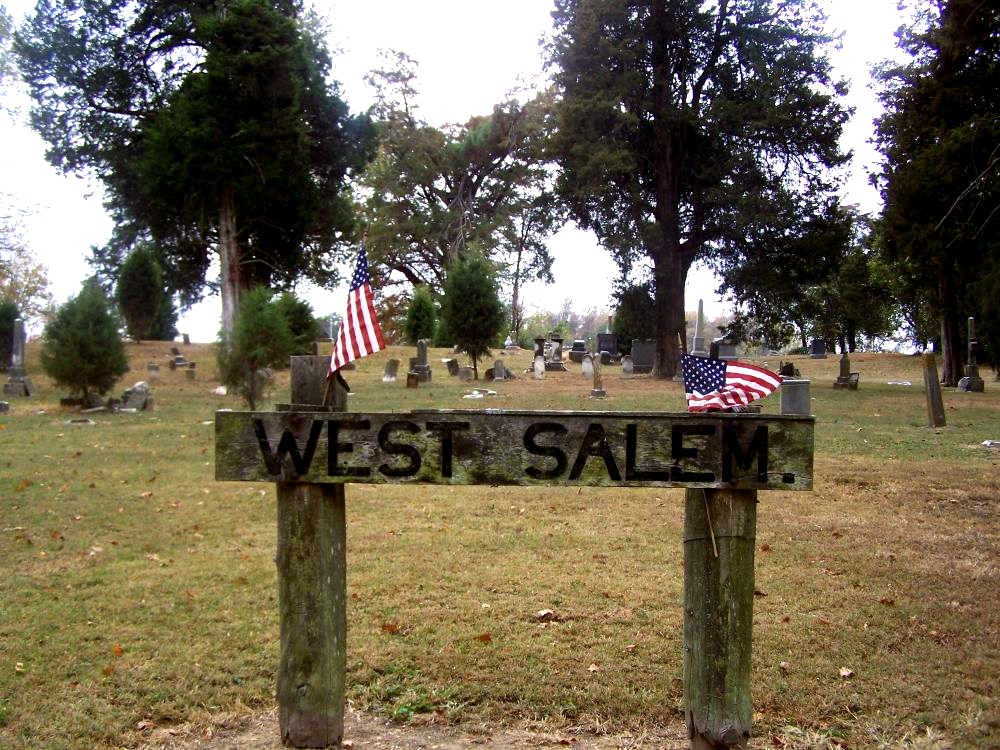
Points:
x=470, y=53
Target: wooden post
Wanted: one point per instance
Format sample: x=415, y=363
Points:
x=935, y=406
x=719, y=539
x=312, y=588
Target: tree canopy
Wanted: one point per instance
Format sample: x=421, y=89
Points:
x=694, y=131
x=435, y=195
x=940, y=179
x=213, y=126
x=143, y=299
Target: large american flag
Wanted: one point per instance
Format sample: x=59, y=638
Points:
x=360, y=334
x=715, y=384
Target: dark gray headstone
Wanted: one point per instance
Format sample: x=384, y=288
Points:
x=817, y=349
x=453, y=366
x=643, y=356
x=607, y=342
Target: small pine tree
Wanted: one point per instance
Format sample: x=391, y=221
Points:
x=8, y=314
x=471, y=310
x=81, y=346
x=421, y=317
x=143, y=299
x=260, y=340
x=302, y=324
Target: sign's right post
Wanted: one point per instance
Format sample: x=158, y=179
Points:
x=720, y=529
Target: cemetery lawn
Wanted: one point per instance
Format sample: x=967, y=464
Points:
x=138, y=606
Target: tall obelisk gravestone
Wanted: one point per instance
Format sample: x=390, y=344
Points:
x=18, y=383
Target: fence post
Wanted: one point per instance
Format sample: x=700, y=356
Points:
x=312, y=587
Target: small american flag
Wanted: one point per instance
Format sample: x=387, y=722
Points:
x=715, y=384
x=360, y=334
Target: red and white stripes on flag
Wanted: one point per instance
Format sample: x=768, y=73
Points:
x=360, y=334
x=717, y=385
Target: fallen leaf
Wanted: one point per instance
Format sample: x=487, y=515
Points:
x=593, y=668
x=784, y=666
x=347, y=744
x=390, y=627
x=55, y=536
x=143, y=725
x=484, y=638
x=145, y=494
x=545, y=615
x=846, y=673
x=886, y=601
x=630, y=648
x=822, y=621
x=758, y=592
x=24, y=484
x=108, y=670
x=19, y=667
x=118, y=650
x=567, y=740
x=765, y=547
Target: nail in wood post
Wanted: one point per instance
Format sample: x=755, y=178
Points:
x=312, y=587
x=719, y=538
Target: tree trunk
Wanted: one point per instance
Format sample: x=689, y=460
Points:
x=229, y=262
x=951, y=336
x=668, y=299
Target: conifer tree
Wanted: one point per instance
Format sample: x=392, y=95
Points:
x=421, y=317
x=260, y=340
x=472, y=310
x=81, y=346
x=143, y=298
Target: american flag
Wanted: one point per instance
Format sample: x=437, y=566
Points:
x=359, y=332
x=715, y=384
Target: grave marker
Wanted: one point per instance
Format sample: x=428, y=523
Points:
x=972, y=383
x=18, y=383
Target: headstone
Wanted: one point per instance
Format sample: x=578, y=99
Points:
x=604, y=358
x=190, y=371
x=539, y=367
x=390, y=372
x=935, y=406
x=539, y=348
x=727, y=350
x=452, y=365
x=577, y=350
x=628, y=367
x=508, y=343
x=972, y=383
x=187, y=340
x=153, y=371
x=412, y=380
x=136, y=396
x=499, y=370
x=18, y=383
x=466, y=374
x=795, y=398
x=817, y=349
x=420, y=365
x=587, y=367
x=699, y=350
x=844, y=379
x=643, y=356
x=598, y=389
x=4, y=407
x=555, y=363
x=607, y=342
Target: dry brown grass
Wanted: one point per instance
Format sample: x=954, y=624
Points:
x=139, y=600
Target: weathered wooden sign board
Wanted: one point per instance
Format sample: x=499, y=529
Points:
x=628, y=449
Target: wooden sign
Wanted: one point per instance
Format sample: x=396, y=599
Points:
x=493, y=447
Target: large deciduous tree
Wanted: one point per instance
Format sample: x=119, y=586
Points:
x=692, y=130
x=433, y=195
x=213, y=127
x=940, y=136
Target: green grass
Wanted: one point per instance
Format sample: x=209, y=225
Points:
x=139, y=592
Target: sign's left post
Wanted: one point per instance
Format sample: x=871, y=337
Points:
x=312, y=585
